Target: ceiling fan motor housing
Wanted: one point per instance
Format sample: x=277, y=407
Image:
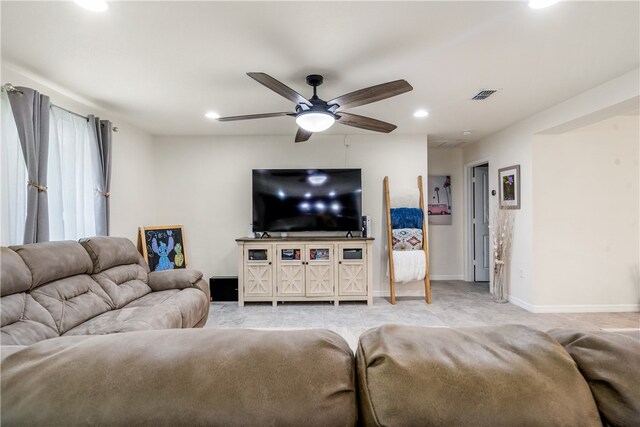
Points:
x=314, y=80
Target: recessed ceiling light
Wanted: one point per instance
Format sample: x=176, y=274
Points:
x=212, y=115
x=421, y=113
x=93, y=5
x=541, y=4
x=466, y=132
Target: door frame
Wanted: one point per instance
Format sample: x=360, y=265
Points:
x=468, y=217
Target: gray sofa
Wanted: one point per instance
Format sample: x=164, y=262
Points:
x=400, y=376
x=99, y=285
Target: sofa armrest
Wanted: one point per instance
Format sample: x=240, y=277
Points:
x=177, y=279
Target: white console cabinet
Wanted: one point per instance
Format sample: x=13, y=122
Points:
x=310, y=269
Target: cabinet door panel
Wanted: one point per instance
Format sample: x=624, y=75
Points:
x=258, y=280
x=319, y=271
x=291, y=280
x=352, y=273
x=352, y=280
x=320, y=279
x=290, y=269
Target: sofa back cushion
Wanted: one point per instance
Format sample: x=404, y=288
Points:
x=22, y=320
x=118, y=267
x=508, y=375
x=216, y=377
x=123, y=283
x=107, y=252
x=61, y=282
x=72, y=300
x=14, y=275
x=49, y=261
x=610, y=362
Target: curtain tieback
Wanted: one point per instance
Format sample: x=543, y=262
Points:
x=38, y=186
x=104, y=193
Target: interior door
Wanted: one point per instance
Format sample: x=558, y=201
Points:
x=481, y=237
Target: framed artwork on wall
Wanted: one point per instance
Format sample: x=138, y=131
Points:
x=509, y=185
x=163, y=247
x=439, y=199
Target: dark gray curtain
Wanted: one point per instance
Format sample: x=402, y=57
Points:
x=103, y=132
x=31, y=112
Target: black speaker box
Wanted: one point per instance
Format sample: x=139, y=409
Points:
x=223, y=288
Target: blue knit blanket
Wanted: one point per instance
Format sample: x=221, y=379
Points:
x=406, y=218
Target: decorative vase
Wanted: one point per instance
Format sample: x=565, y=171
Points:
x=499, y=285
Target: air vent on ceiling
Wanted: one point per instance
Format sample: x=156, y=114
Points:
x=484, y=94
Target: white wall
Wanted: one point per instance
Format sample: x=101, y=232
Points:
x=132, y=182
x=204, y=183
x=446, y=243
x=586, y=216
x=514, y=145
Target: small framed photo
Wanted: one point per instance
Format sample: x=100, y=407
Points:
x=509, y=185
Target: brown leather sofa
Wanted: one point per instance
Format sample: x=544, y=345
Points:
x=99, y=285
x=400, y=376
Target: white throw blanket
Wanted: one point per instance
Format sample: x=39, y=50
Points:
x=409, y=266
x=404, y=198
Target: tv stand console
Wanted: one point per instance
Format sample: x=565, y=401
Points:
x=305, y=269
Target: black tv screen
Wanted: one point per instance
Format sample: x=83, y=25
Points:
x=307, y=200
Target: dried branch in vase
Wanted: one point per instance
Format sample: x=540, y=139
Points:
x=501, y=238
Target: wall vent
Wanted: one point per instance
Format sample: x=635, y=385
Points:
x=484, y=94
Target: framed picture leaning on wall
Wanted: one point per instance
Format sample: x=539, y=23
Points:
x=163, y=247
x=509, y=185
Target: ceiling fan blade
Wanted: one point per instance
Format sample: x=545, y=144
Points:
x=278, y=87
x=303, y=135
x=255, y=116
x=371, y=94
x=363, y=122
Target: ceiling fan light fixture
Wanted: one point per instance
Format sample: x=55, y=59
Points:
x=315, y=121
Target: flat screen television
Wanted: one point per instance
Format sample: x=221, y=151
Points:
x=307, y=200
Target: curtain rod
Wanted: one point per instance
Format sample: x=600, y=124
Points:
x=8, y=87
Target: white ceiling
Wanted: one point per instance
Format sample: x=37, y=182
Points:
x=164, y=64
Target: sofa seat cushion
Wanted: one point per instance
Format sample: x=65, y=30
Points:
x=610, y=362
x=153, y=298
x=72, y=300
x=24, y=321
x=188, y=377
x=192, y=303
x=485, y=376
x=123, y=283
x=130, y=319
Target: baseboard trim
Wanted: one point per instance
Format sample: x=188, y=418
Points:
x=399, y=293
x=446, y=277
x=515, y=301
x=587, y=308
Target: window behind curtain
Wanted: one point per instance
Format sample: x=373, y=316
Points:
x=72, y=176
x=13, y=190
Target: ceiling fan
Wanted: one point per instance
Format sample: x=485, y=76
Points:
x=315, y=115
